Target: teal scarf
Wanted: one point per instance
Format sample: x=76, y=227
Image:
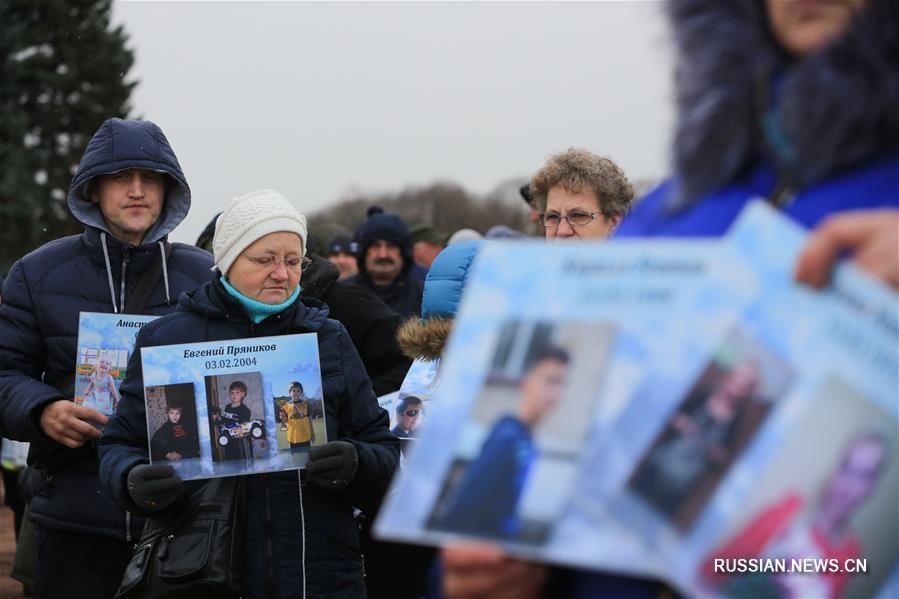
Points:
x=256, y=310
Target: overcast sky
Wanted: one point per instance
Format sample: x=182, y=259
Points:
x=317, y=100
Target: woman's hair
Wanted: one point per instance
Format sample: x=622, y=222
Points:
x=578, y=170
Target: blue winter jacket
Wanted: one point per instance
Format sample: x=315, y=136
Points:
x=315, y=546
x=875, y=185
x=42, y=298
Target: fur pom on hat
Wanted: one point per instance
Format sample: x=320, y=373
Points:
x=251, y=217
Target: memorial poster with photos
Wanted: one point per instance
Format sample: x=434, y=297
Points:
x=105, y=343
x=548, y=345
x=238, y=406
x=771, y=440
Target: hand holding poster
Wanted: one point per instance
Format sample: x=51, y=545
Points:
x=234, y=407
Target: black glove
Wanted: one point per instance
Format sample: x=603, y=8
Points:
x=154, y=488
x=333, y=465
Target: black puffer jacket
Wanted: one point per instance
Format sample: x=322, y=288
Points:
x=315, y=547
x=42, y=298
x=372, y=325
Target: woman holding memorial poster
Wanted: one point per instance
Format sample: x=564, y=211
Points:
x=292, y=547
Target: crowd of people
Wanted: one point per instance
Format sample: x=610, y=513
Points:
x=787, y=101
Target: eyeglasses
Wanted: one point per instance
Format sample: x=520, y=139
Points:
x=551, y=220
x=294, y=263
x=411, y=413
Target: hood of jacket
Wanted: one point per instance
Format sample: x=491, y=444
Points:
x=740, y=98
x=426, y=337
x=447, y=278
x=213, y=302
x=122, y=144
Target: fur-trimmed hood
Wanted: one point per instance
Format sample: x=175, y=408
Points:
x=424, y=339
x=740, y=98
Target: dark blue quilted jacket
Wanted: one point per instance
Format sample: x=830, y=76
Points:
x=293, y=550
x=92, y=272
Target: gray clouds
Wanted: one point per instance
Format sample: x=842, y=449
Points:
x=317, y=99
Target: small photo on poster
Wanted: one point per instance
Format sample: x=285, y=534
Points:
x=829, y=495
x=172, y=422
x=717, y=418
x=105, y=342
x=408, y=415
x=236, y=411
x=517, y=457
x=299, y=411
x=100, y=374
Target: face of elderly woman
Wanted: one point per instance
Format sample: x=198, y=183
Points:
x=805, y=26
x=269, y=270
x=574, y=215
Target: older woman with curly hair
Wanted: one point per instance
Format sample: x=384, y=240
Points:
x=580, y=195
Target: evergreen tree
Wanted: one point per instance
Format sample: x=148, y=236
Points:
x=63, y=73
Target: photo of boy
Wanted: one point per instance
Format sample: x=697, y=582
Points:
x=484, y=501
x=172, y=422
x=174, y=441
x=518, y=452
x=299, y=413
x=236, y=416
x=294, y=414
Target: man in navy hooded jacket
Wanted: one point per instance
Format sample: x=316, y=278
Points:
x=130, y=193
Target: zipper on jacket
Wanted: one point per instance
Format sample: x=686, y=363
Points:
x=125, y=258
x=268, y=556
x=127, y=526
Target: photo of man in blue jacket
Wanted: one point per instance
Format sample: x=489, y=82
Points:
x=485, y=502
x=130, y=193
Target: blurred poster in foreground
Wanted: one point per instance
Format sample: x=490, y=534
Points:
x=675, y=410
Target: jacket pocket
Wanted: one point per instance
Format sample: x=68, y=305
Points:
x=136, y=571
x=185, y=554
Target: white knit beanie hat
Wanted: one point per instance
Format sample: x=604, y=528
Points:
x=251, y=217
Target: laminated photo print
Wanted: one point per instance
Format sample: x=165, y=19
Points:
x=408, y=407
x=234, y=407
x=105, y=342
x=709, y=428
x=549, y=346
x=516, y=459
x=766, y=467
